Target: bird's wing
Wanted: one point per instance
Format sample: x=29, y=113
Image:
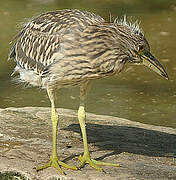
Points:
x=33, y=49
x=40, y=39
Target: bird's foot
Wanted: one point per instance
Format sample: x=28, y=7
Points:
x=54, y=162
x=93, y=163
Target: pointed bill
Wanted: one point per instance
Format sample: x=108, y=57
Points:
x=150, y=61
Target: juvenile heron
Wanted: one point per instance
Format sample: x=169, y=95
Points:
x=70, y=48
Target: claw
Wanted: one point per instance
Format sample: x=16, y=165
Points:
x=89, y=161
x=93, y=163
x=54, y=162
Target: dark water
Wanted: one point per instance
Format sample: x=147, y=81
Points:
x=137, y=94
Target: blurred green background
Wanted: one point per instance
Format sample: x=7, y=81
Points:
x=136, y=94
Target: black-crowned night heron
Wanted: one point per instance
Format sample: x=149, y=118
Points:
x=70, y=48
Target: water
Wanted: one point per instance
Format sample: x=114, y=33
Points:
x=137, y=94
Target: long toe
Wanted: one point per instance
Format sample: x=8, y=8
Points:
x=54, y=162
x=94, y=163
x=87, y=160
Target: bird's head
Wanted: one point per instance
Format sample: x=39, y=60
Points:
x=137, y=48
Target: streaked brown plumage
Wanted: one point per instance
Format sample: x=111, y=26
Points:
x=70, y=48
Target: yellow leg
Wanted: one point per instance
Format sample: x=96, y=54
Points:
x=54, y=161
x=86, y=158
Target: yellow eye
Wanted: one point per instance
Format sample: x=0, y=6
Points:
x=141, y=48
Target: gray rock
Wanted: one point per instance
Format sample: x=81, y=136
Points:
x=143, y=151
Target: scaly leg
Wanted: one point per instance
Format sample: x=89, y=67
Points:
x=54, y=161
x=86, y=159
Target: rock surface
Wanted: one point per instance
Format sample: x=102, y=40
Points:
x=143, y=151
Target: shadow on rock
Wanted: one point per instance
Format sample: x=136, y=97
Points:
x=129, y=139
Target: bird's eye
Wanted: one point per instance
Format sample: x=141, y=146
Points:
x=141, y=48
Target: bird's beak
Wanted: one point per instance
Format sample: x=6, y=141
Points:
x=150, y=61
